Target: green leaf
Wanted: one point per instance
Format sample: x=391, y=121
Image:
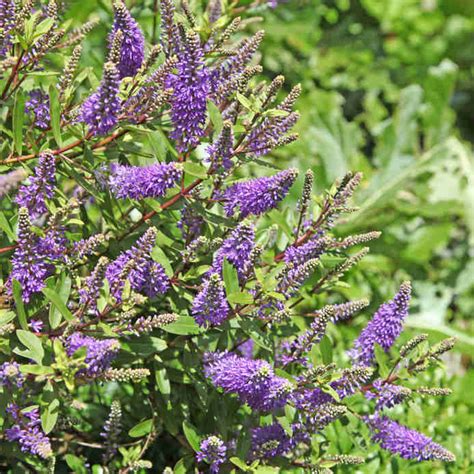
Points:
x=6, y=316
x=63, y=291
x=36, y=369
x=141, y=429
x=215, y=116
x=191, y=435
x=55, y=112
x=6, y=227
x=162, y=381
x=244, y=101
x=195, y=169
x=49, y=416
x=159, y=256
x=76, y=464
x=33, y=343
x=185, y=325
x=18, y=121
x=325, y=346
x=239, y=463
x=20, y=308
x=240, y=297
x=58, y=303
x=231, y=277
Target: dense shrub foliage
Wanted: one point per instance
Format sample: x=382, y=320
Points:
x=165, y=306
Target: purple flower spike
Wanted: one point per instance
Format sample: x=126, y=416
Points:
x=253, y=380
x=269, y=442
x=259, y=195
x=190, y=91
x=383, y=328
x=145, y=275
x=41, y=187
x=10, y=375
x=210, y=306
x=99, y=353
x=237, y=249
x=212, y=451
x=407, y=443
x=27, y=432
x=132, y=50
x=138, y=182
x=38, y=106
x=100, y=111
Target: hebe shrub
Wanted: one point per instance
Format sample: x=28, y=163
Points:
x=158, y=303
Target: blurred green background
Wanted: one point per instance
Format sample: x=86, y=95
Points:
x=388, y=89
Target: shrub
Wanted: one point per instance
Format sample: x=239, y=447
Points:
x=156, y=298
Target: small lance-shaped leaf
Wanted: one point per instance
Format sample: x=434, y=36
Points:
x=191, y=435
x=50, y=416
x=6, y=227
x=382, y=360
x=33, y=343
x=141, y=429
x=20, y=307
x=162, y=381
x=231, y=277
x=195, y=169
x=239, y=463
x=55, y=111
x=58, y=303
x=18, y=120
x=63, y=290
x=325, y=346
x=184, y=326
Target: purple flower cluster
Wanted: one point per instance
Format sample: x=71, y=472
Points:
x=27, y=431
x=100, y=111
x=313, y=248
x=38, y=106
x=138, y=182
x=384, y=328
x=34, y=257
x=210, y=307
x=387, y=395
x=136, y=264
x=41, y=186
x=407, y=443
x=270, y=441
x=99, y=353
x=132, y=50
x=212, y=451
x=259, y=195
x=222, y=150
x=236, y=249
x=190, y=223
x=253, y=380
x=7, y=23
x=190, y=91
x=10, y=375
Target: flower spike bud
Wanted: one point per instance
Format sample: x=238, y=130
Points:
x=272, y=91
x=222, y=150
x=444, y=346
x=346, y=189
x=170, y=39
x=147, y=324
x=112, y=430
x=229, y=31
x=67, y=76
x=412, y=344
x=345, y=459
x=344, y=311
x=79, y=34
x=358, y=239
x=11, y=180
x=115, y=47
x=214, y=9
x=350, y=262
x=188, y=13
x=434, y=391
x=150, y=59
x=87, y=246
x=126, y=375
x=290, y=100
x=387, y=395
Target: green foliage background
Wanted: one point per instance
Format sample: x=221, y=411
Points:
x=388, y=89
